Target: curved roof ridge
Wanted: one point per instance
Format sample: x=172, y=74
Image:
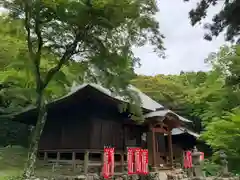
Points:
x=147, y=102
x=164, y=112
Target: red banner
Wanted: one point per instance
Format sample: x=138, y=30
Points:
x=130, y=160
x=108, y=166
x=137, y=161
x=111, y=160
x=187, y=159
x=144, y=154
x=201, y=156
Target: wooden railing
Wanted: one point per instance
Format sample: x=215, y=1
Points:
x=86, y=162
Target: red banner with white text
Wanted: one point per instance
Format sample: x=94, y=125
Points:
x=137, y=161
x=108, y=166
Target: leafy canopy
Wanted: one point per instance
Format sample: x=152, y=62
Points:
x=98, y=35
x=226, y=20
x=16, y=76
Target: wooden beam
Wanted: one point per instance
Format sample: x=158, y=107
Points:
x=170, y=147
x=160, y=130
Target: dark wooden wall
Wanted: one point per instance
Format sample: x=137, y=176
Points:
x=66, y=132
x=88, y=124
x=184, y=141
x=106, y=133
x=87, y=133
x=51, y=136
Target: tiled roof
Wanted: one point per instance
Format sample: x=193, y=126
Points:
x=146, y=101
x=164, y=112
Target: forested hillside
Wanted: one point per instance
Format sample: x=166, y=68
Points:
x=210, y=99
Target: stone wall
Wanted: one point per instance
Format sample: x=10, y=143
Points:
x=177, y=174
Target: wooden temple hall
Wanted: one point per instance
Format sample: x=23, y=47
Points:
x=81, y=123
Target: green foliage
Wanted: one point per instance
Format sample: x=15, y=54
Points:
x=17, y=90
x=177, y=93
x=94, y=32
x=12, y=178
x=16, y=72
x=226, y=19
x=210, y=99
x=223, y=132
x=13, y=133
x=210, y=168
x=96, y=36
x=163, y=89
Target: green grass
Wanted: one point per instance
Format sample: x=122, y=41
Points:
x=12, y=160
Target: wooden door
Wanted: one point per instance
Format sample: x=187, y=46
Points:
x=160, y=148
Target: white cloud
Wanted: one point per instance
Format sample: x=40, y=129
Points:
x=186, y=48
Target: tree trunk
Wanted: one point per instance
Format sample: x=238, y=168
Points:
x=36, y=134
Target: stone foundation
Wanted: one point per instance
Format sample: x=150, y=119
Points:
x=178, y=174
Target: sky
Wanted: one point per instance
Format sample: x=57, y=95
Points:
x=185, y=47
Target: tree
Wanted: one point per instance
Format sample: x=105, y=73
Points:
x=97, y=34
x=223, y=134
x=162, y=89
x=17, y=83
x=221, y=115
x=227, y=62
x=227, y=19
x=179, y=93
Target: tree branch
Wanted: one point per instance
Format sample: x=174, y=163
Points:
x=34, y=57
x=28, y=28
x=68, y=53
x=39, y=36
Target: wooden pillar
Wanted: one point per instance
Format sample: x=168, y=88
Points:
x=74, y=160
x=182, y=162
x=45, y=156
x=170, y=147
x=58, y=158
x=122, y=161
x=154, y=149
x=86, y=160
x=124, y=138
x=103, y=160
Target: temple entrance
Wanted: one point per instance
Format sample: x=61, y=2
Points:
x=162, y=151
